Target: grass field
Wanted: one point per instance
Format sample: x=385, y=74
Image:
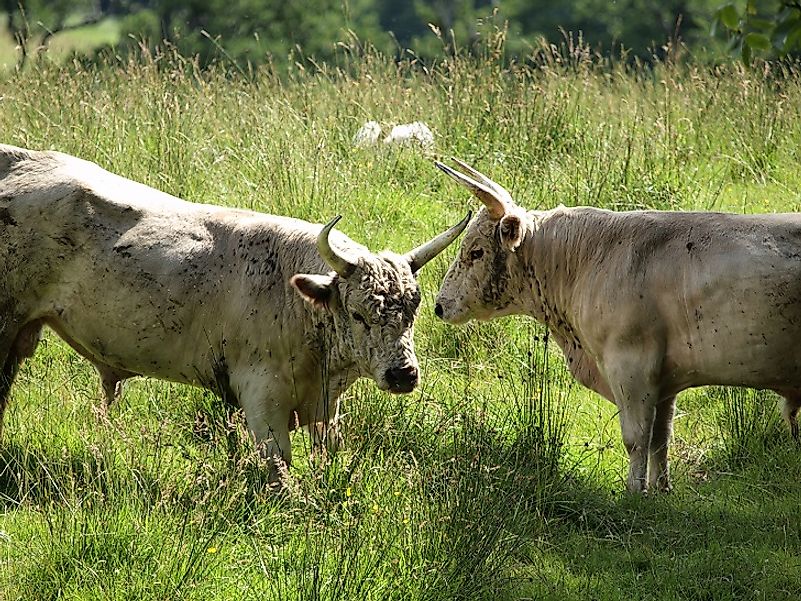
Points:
x=500, y=478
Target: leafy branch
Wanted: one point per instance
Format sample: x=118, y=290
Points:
x=769, y=30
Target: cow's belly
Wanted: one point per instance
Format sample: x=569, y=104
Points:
x=143, y=348
x=193, y=341
x=137, y=326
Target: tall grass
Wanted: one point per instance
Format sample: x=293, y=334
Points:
x=750, y=424
x=497, y=478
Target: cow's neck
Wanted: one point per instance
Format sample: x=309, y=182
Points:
x=336, y=360
x=547, y=265
x=549, y=272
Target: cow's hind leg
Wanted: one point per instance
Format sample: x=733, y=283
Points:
x=8, y=371
x=23, y=344
x=111, y=380
x=658, y=469
x=792, y=403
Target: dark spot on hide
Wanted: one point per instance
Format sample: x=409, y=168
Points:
x=222, y=382
x=6, y=218
x=65, y=240
x=122, y=249
x=497, y=282
x=689, y=246
x=264, y=267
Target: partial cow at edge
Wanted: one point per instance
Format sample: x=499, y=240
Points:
x=644, y=304
x=276, y=315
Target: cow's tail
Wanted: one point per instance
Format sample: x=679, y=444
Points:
x=11, y=155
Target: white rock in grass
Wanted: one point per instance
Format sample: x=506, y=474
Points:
x=367, y=135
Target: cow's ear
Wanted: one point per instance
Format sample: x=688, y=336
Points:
x=314, y=289
x=512, y=230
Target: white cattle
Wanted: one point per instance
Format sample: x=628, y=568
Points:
x=276, y=315
x=367, y=135
x=408, y=134
x=416, y=133
x=643, y=304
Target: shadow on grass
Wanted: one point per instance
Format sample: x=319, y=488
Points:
x=212, y=465
x=31, y=475
x=734, y=536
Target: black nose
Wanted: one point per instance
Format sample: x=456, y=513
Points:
x=438, y=310
x=402, y=379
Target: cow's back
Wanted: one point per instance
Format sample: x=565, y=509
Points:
x=11, y=155
x=160, y=281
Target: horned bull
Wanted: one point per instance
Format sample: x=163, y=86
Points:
x=643, y=304
x=274, y=314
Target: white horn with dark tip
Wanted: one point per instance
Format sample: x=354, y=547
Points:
x=480, y=177
x=425, y=252
x=491, y=198
x=335, y=261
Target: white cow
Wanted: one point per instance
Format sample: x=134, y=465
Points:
x=416, y=133
x=409, y=134
x=274, y=314
x=643, y=304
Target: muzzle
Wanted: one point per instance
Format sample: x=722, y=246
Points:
x=402, y=379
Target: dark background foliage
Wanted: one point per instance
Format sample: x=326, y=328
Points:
x=252, y=32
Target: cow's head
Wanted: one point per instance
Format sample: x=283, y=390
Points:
x=477, y=285
x=373, y=300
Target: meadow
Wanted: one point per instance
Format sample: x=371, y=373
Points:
x=500, y=477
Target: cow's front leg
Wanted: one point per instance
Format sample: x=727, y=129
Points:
x=630, y=376
x=790, y=407
x=326, y=437
x=269, y=424
x=15, y=346
x=659, y=471
x=636, y=423
x=276, y=448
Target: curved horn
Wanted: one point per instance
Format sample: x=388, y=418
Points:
x=335, y=261
x=425, y=252
x=480, y=177
x=485, y=194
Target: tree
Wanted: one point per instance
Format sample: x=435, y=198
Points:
x=252, y=31
x=639, y=26
x=37, y=21
x=768, y=28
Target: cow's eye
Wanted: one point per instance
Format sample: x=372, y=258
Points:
x=476, y=254
x=360, y=318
